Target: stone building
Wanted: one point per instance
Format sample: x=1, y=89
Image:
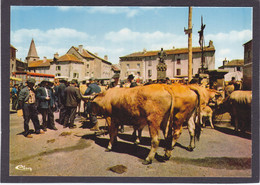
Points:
x=143, y=64
x=77, y=63
x=234, y=69
x=248, y=59
x=15, y=64
x=233, y=65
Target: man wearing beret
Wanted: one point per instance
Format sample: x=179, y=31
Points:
x=45, y=99
x=72, y=98
x=27, y=102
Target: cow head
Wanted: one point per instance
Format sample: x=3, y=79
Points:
x=222, y=106
x=97, y=107
x=216, y=97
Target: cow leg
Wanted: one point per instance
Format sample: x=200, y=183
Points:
x=113, y=134
x=138, y=139
x=154, y=133
x=210, y=120
x=235, y=116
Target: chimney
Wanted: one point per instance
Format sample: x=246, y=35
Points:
x=80, y=48
x=211, y=44
x=106, y=57
x=44, y=59
x=144, y=50
x=173, y=47
x=225, y=62
x=56, y=55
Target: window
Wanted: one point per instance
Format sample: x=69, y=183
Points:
x=87, y=65
x=138, y=73
x=127, y=66
x=57, y=74
x=138, y=66
x=238, y=69
x=178, y=71
x=149, y=73
x=58, y=68
x=178, y=61
x=75, y=75
x=149, y=63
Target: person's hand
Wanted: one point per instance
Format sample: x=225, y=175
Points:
x=47, y=98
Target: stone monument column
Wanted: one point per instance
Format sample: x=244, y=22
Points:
x=161, y=67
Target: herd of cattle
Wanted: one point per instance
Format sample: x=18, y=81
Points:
x=166, y=108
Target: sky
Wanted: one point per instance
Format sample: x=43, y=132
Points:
x=119, y=31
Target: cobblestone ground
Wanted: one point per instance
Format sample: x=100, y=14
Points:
x=78, y=152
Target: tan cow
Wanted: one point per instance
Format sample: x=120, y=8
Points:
x=238, y=104
x=206, y=113
x=139, y=106
x=150, y=105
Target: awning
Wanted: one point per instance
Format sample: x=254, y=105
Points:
x=15, y=79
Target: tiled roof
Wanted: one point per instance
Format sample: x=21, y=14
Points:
x=168, y=52
x=95, y=56
x=40, y=63
x=236, y=62
x=84, y=53
x=12, y=46
x=115, y=68
x=69, y=58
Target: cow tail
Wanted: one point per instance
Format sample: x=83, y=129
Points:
x=198, y=110
x=168, y=127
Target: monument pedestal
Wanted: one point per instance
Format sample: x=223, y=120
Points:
x=161, y=71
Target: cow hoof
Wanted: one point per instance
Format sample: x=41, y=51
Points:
x=166, y=158
x=108, y=150
x=189, y=148
x=145, y=162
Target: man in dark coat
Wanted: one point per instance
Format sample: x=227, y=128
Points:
x=61, y=100
x=72, y=98
x=45, y=99
x=27, y=101
x=92, y=88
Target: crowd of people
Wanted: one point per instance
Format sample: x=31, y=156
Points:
x=64, y=97
x=60, y=96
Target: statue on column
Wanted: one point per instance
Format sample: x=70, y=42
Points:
x=161, y=67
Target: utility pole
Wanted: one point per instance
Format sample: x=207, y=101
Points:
x=189, y=32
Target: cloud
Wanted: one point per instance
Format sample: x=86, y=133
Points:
x=47, y=42
x=232, y=36
x=229, y=45
x=146, y=39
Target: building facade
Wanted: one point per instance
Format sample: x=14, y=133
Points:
x=77, y=63
x=15, y=64
x=233, y=65
x=248, y=59
x=143, y=65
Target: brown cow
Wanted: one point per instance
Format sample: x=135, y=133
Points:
x=150, y=105
x=139, y=106
x=238, y=104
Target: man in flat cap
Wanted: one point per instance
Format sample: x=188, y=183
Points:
x=92, y=88
x=72, y=98
x=27, y=102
